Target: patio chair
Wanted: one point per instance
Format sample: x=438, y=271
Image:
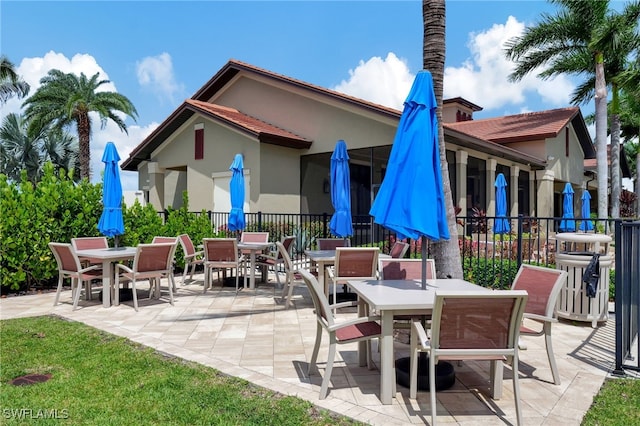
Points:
x=252, y=237
x=221, y=253
x=470, y=325
x=293, y=277
x=544, y=286
x=354, y=263
x=174, y=240
x=275, y=259
x=399, y=249
x=152, y=262
x=87, y=243
x=406, y=269
x=192, y=258
x=69, y=267
x=351, y=331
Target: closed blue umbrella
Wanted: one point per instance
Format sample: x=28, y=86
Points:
x=411, y=198
x=236, y=187
x=111, y=223
x=586, y=224
x=567, y=225
x=502, y=223
x=340, y=224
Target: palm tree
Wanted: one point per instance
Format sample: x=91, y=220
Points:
x=65, y=99
x=445, y=253
x=577, y=40
x=10, y=83
x=23, y=147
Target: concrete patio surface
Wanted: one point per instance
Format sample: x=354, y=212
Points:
x=251, y=335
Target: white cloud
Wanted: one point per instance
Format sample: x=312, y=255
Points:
x=484, y=77
x=155, y=73
x=383, y=81
x=33, y=69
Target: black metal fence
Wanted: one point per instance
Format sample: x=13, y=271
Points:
x=627, y=301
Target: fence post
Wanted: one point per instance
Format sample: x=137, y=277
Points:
x=260, y=221
x=519, y=239
x=324, y=225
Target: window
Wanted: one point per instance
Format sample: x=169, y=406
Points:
x=199, y=142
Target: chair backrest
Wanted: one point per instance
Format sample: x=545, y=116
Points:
x=320, y=302
x=254, y=237
x=283, y=254
x=399, y=249
x=543, y=286
x=187, y=245
x=65, y=257
x=87, y=243
x=332, y=243
x=405, y=269
x=220, y=250
x=157, y=240
x=154, y=257
x=484, y=323
x=288, y=242
x=356, y=262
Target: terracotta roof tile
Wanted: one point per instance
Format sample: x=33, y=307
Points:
x=518, y=128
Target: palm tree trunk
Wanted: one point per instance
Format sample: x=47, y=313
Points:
x=84, y=151
x=601, y=137
x=616, y=179
x=445, y=253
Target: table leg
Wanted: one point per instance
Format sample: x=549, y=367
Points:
x=106, y=283
x=321, y=280
x=386, y=358
x=252, y=277
x=496, y=371
x=362, y=345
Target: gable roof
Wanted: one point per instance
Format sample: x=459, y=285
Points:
x=528, y=127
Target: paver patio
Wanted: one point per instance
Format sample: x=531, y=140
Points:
x=252, y=336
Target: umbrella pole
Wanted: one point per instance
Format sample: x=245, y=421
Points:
x=116, y=241
x=423, y=239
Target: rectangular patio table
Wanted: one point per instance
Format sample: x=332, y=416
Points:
x=406, y=297
x=108, y=256
x=253, y=248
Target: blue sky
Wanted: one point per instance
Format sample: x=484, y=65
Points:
x=158, y=53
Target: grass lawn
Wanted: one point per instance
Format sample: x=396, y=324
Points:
x=101, y=379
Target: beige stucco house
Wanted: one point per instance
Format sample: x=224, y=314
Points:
x=286, y=130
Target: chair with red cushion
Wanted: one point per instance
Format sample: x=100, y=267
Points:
x=192, y=257
x=355, y=330
x=69, y=267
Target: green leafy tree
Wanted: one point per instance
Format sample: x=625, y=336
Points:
x=10, y=82
x=583, y=38
x=65, y=100
x=445, y=253
x=23, y=147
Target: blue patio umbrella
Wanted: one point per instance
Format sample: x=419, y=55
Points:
x=566, y=224
x=111, y=223
x=411, y=198
x=586, y=224
x=236, y=187
x=340, y=224
x=502, y=223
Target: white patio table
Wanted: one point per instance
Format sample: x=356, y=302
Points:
x=108, y=256
x=253, y=248
x=406, y=297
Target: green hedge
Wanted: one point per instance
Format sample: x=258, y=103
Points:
x=57, y=209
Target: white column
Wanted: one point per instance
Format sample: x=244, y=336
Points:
x=515, y=173
x=491, y=188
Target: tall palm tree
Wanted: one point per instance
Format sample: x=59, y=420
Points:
x=10, y=83
x=64, y=100
x=571, y=42
x=445, y=253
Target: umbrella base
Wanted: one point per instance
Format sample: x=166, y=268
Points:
x=343, y=297
x=126, y=294
x=445, y=374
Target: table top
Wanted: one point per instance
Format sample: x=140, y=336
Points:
x=253, y=246
x=406, y=294
x=109, y=253
x=328, y=255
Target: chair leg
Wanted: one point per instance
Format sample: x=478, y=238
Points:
x=60, y=280
x=171, y=282
x=552, y=358
x=184, y=272
x=413, y=365
x=327, y=374
x=135, y=294
x=76, y=294
x=516, y=389
x=432, y=389
x=316, y=349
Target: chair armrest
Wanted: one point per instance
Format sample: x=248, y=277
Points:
x=358, y=320
x=123, y=267
x=346, y=304
x=90, y=268
x=418, y=329
x=539, y=318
